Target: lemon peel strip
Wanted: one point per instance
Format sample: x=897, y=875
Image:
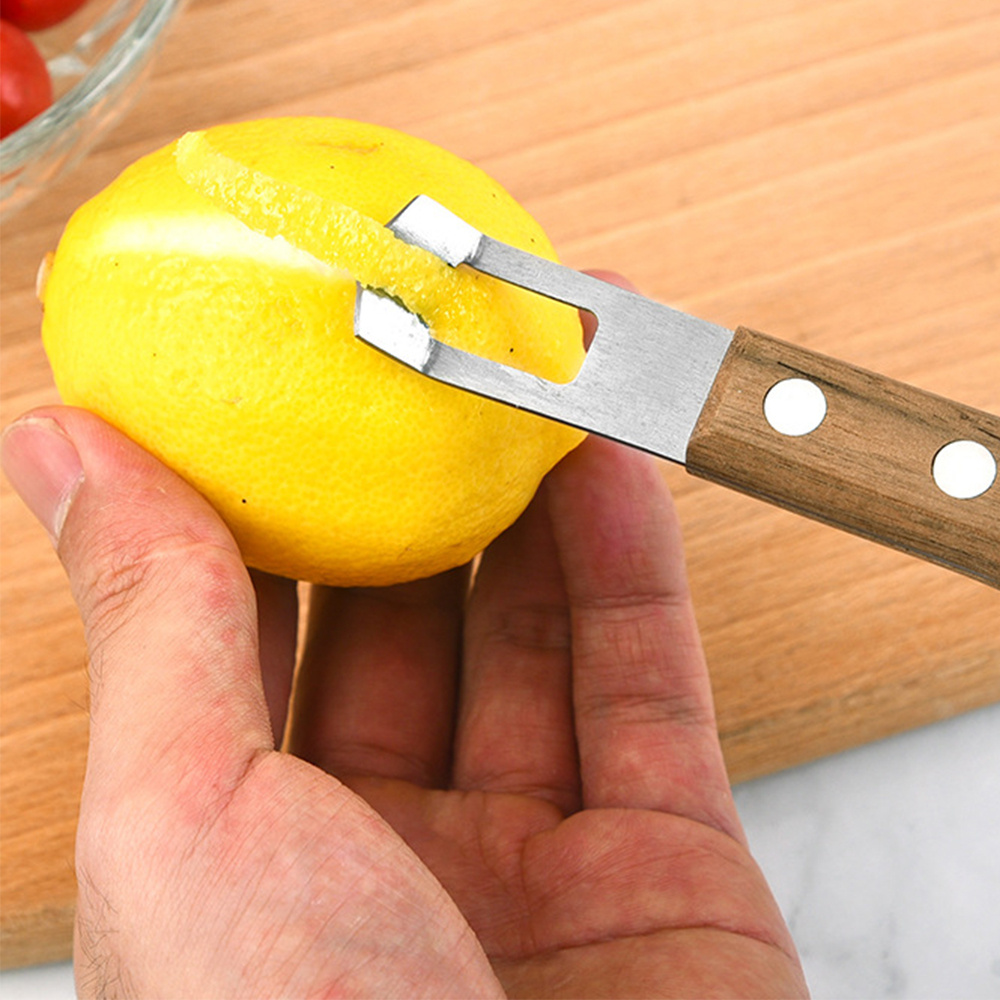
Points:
x=335, y=234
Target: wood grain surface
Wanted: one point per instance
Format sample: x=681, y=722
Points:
x=825, y=170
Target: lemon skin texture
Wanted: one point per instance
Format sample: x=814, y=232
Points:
x=203, y=304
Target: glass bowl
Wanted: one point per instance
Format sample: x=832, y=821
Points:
x=97, y=59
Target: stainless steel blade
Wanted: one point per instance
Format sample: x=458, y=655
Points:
x=646, y=375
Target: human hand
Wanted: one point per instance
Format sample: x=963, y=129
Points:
x=578, y=812
x=209, y=865
x=544, y=749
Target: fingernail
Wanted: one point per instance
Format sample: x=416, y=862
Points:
x=43, y=465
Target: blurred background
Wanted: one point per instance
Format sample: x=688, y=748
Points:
x=827, y=171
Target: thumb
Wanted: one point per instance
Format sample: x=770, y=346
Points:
x=167, y=605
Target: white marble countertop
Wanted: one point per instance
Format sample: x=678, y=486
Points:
x=885, y=860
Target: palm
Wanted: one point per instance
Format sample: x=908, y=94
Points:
x=311, y=894
x=607, y=902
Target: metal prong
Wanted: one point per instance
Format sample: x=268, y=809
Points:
x=382, y=322
x=428, y=224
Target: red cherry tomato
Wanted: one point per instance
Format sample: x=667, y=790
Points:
x=25, y=87
x=34, y=15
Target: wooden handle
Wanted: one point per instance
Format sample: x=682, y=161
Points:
x=869, y=466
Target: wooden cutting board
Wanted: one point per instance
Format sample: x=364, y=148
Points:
x=828, y=172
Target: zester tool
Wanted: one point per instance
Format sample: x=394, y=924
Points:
x=834, y=442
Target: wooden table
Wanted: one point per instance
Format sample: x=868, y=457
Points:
x=824, y=170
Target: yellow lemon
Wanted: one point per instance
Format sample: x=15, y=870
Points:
x=203, y=304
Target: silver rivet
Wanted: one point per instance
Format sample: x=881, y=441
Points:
x=964, y=469
x=795, y=406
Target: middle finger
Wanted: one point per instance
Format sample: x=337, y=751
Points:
x=515, y=721
x=375, y=693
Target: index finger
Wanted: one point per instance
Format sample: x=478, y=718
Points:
x=645, y=719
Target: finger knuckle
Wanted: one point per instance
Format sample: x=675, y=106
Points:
x=536, y=627
x=124, y=564
x=119, y=567
x=126, y=571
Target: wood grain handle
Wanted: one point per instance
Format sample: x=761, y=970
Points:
x=869, y=466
